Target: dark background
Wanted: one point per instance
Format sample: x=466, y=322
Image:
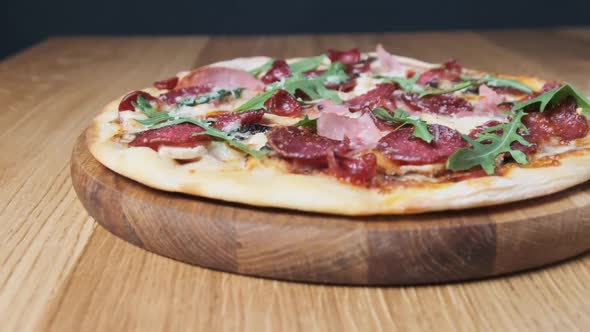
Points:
x=23, y=23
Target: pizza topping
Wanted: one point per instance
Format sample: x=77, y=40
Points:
x=558, y=120
x=168, y=84
x=361, y=131
x=327, y=106
x=389, y=63
x=278, y=71
x=262, y=68
x=283, y=103
x=174, y=96
x=230, y=121
x=221, y=78
x=295, y=143
x=401, y=118
x=489, y=100
x=555, y=96
x=501, y=84
x=127, y=103
x=403, y=147
x=178, y=135
x=450, y=70
x=489, y=144
x=184, y=98
x=346, y=57
x=306, y=64
x=380, y=96
x=356, y=169
x=439, y=104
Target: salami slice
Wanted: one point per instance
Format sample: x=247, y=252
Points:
x=450, y=70
x=380, y=96
x=228, y=121
x=283, y=104
x=356, y=170
x=346, y=57
x=178, y=135
x=278, y=71
x=295, y=143
x=167, y=84
x=438, y=104
x=126, y=103
x=402, y=147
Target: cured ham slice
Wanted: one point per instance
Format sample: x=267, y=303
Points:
x=228, y=121
x=362, y=131
x=222, y=78
x=389, y=64
x=489, y=100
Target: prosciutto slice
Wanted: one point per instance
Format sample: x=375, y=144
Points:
x=362, y=131
x=222, y=78
x=389, y=63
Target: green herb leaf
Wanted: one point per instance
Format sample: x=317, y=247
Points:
x=555, y=96
x=402, y=118
x=256, y=102
x=407, y=84
x=496, y=81
x=307, y=122
x=454, y=88
x=210, y=96
x=306, y=64
x=217, y=134
x=146, y=108
x=484, y=150
x=262, y=69
x=335, y=74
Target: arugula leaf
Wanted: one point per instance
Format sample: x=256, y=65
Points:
x=256, y=102
x=215, y=133
x=484, y=150
x=306, y=64
x=454, y=88
x=145, y=107
x=210, y=96
x=407, y=84
x=307, y=122
x=263, y=68
x=313, y=87
x=555, y=96
x=335, y=74
x=496, y=81
x=401, y=117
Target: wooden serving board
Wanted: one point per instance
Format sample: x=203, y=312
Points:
x=288, y=245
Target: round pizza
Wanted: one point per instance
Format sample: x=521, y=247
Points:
x=348, y=133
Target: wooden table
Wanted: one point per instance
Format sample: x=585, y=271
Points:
x=61, y=272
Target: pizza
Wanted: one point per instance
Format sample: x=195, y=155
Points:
x=349, y=133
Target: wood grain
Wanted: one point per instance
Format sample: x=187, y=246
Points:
x=288, y=245
x=60, y=272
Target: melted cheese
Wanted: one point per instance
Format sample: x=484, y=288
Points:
x=182, y=153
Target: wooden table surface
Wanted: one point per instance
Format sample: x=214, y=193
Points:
x=60, y=272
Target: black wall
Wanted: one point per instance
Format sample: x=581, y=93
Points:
x=25, y=22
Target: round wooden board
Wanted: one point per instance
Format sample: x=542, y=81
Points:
x=288, y=245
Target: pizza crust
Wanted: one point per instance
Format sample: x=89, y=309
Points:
x=269, y=185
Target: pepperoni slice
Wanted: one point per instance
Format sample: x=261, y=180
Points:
x=402, y=147
x=295, y=143
x=168, y=84
x=126, y=103
x=346, y=86
x=283, y=104
x=346, y=57
x=357, y=170
x=558, y=120
x=228, y=121
x=439, y=104
x=222, y=78
x=380, y=96
x=450, y=70
x=278, y=71
x=174, y=96
x=178, y=135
